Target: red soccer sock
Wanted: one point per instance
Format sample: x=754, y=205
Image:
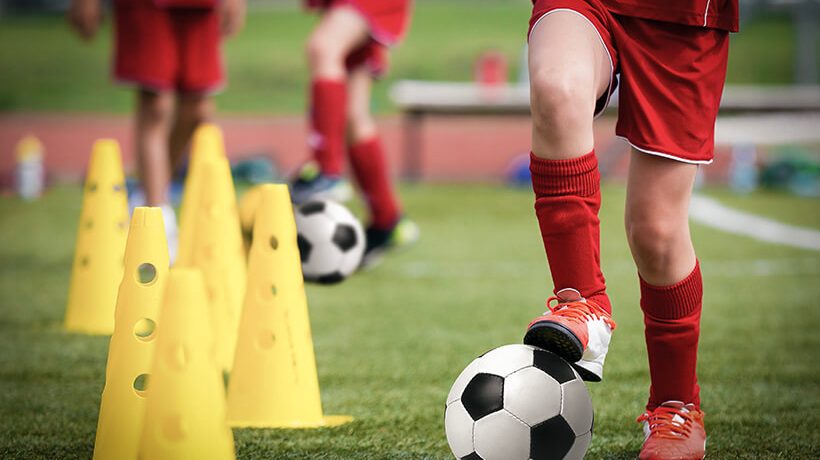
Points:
x=370, y=168
x=328, y=121
x=567, y=200
x=672, y=321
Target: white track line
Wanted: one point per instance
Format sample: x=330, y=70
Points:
x=712, y=213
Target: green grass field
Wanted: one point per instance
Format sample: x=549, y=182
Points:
x=43, y=67
x=390, y=342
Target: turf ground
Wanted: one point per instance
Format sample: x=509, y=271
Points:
x=43, y=67
x=389, y=342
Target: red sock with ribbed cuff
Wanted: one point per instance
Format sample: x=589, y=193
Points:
x=672, y=328
x=567, y=201
x=370, y=169
x=327, y=123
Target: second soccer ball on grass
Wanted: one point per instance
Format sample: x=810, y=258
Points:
x=331, y=241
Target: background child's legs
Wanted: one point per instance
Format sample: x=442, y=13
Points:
x=367, y=155
x=192, y=110
x=657, y=227
x=569, y=70
x=340, y=31
x=153, y=123
x=361, y=126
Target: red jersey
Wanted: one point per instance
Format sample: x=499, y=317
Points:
x=715, y=14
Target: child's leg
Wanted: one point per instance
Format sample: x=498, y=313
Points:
x=340, y=31
x=153, y=122
x=192, y=110
x=657, y=228
x=569, y=70
x=366, y=154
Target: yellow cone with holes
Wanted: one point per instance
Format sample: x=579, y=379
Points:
x=132, y=346
x=101, y=235
x=207, y=144
x=219, y=252
x=274, y=382
x=185, y=408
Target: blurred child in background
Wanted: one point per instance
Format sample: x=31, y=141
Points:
x=170, y=51
x=346, y=51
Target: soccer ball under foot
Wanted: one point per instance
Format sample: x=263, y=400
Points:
x=518, y=402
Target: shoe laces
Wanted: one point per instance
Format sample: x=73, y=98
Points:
x=579, y=311
x=668, y=422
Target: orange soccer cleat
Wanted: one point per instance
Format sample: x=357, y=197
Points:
x=576, y=329
x=673, y=431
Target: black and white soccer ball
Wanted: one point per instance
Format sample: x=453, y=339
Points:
x=518, y=402
x=331, y=241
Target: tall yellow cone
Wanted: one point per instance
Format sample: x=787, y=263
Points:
x=101, y=235
x=185, y=409
x=207, y=144
x=132, y=346
x=274, y=382
x=219, y=252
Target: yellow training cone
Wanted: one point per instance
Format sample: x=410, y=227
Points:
x=219, y=252
x=132, y=345
x=185, y=408
x=207, y=144
x=274, y=382
x=98, y=256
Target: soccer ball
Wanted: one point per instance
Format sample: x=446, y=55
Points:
x=518, y=402
x=331, y=241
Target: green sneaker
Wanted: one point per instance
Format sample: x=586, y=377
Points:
x=311, y=184
x=403, y=234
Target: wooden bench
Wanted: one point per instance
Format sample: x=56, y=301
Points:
x=775, y=114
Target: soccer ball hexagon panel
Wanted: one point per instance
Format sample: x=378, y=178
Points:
x=518, y=401
x=331, y=241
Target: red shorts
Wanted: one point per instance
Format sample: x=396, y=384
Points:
x=671, y=79
x=167, y=49
x=373, y=55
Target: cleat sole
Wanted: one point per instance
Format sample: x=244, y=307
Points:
x=555, y=338
x=586, y=375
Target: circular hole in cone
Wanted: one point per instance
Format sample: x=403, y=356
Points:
x=144, y=329
x=118, y=188
x=89, y=223
x=146, y=273
x=265, y=340
x=177, y=357
x=122, y=225
x=267, y=292
x=173, y=428
x=92, y=187
x=274, y=243
x=141, y=384
x=85, y=261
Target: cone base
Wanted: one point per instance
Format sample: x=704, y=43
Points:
x=325, y=422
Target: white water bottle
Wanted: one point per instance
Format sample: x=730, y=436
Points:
x=30, y=172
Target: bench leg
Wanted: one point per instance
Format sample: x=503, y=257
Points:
x=411, y=161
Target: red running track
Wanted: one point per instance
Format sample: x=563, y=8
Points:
x=453, y=148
